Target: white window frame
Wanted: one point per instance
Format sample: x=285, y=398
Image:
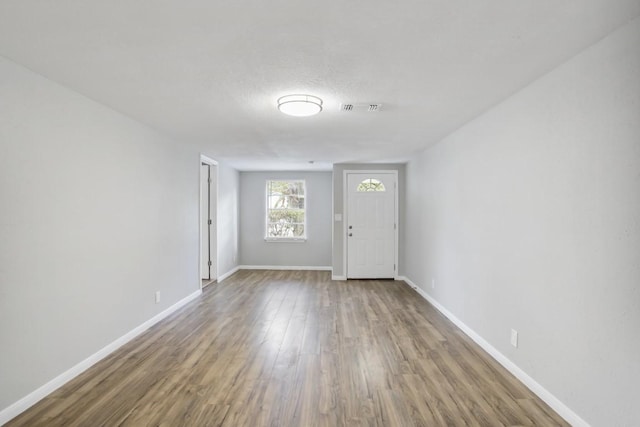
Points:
x=299, y=239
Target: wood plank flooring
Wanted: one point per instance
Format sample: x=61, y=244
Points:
x=293, y=348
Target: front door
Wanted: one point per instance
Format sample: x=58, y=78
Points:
x=371, y=225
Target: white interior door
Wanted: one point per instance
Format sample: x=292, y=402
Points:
x=208, y=225
x=213, y=224
x=205, y=218
x=371, y=223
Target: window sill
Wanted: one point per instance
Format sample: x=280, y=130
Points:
x=285, y=240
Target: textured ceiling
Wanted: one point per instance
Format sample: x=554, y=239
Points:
x=209, y=72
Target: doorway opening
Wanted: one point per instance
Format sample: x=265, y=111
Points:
x=208, y=217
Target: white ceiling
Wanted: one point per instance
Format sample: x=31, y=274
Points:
x=209, y=72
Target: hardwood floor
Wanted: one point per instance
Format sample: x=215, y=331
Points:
x=293, y=348
x=207, y=282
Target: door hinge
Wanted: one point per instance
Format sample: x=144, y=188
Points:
x=210, y=264
x=210, y=222
x=394, y=226
x=394, y=267
x=209, y=180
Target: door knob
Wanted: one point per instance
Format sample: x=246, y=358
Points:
x=350, y=227
x=350, y=234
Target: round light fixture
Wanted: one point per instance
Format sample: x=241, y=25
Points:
x=300, y=105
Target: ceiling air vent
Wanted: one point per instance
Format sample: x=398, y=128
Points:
x=360, y=107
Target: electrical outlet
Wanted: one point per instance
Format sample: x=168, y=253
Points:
x=433, y=283
x=157, y=297
x=514, y=338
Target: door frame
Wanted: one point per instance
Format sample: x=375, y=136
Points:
x=213, y=242
x=345, y=209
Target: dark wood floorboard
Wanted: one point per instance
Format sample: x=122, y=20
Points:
x=293, y=348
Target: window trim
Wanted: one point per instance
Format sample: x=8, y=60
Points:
x=269, y=239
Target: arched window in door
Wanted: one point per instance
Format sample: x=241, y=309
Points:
x=370, y=184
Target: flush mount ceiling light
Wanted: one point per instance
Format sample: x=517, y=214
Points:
x=300, y=105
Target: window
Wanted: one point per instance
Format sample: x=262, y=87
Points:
x=286, y=217
x=370, y=184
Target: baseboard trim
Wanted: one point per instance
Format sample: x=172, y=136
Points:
x=338, y=277
x=563, y=410
x=231, y=272
x=285, y=267
x=35, y=396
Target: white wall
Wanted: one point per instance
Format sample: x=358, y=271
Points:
x=338, y=208
x=529, y=218
x=314, y=252
x=228, y=219
x=97, y=213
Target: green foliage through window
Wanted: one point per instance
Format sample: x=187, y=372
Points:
x=286, y=209
x=371, y=184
